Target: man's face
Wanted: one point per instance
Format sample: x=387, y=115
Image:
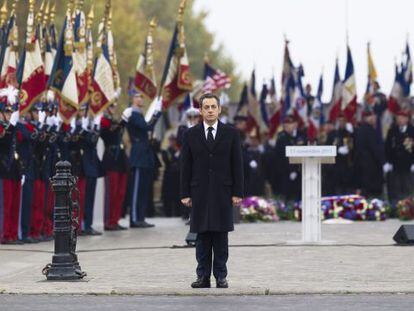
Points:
x=371, y=120
x=241, y=125
x=402, y=120
x=290, y=127
x=210, y=110
x=341, y=122
x=137, y=101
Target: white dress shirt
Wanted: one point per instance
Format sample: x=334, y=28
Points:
x=214, y=131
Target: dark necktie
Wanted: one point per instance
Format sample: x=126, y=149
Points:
x=210, y=137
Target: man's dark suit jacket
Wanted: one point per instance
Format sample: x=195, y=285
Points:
x=211, y=176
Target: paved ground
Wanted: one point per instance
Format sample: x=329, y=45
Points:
x=207, y=303
x=143, y=262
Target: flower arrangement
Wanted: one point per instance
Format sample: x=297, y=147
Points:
x=405, y=209
x=352, y=207
x=253, y=209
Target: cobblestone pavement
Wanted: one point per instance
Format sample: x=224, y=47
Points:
x=152, y=261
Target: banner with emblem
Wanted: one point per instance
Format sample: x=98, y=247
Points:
x=8, y=56
x=63, y=76
x=103, y=87
x=31, y=71
x=176, y=79
x=145, y=81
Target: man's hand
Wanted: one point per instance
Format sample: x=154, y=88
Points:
x=187, y=202
x=236, y=201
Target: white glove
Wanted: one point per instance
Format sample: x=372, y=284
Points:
x=412, y=168
x=72, y=125
x=177, y=153
x=126, y=114
x=272, y=142
x=85, y=123
x=50, y=96
x=14, y=118
x=253, y=164
x=387, y=167
x=97, y=121
x=349, y=127
x=42, y=117
x=293, y=176
x=343, y=150
x=23, y=179
x=50, y=121
x=58, y=121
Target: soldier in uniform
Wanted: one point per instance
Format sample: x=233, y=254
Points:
x=289, y=174
x=10, y=178
x=341, y=173
x=192, y=117
x=399, y=154
x=254, y=172
x=369, y=157
x=141, y=160
x=114, y=164
x=92, y=169
x=26, y=136
x=170, y=187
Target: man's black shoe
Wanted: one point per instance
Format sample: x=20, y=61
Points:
x=141, y=224
x=201, y=283
x=111, y=228
x=92, y=232
x=222, y=283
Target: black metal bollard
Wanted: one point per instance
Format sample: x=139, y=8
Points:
x=65, y=265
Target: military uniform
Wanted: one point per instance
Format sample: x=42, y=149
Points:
x=399, y=151
x=142, y=163
x=369, y=160
x=170, y=186
x=115, y=168
x=10, y=186
x=340, y=175
x=289, y=174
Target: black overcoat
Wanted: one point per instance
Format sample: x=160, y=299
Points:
x=210, y=177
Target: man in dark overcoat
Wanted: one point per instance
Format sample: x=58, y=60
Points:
x=211, y=183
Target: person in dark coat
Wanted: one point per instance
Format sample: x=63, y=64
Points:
x=115, y=168
x=399, y=153
x=254, y=173
x=141, y=161
x=369, y=157
x=170, y=188
x=211, y=183
x=341, y=173
x=289, y=174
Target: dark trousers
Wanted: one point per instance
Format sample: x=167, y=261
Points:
x=89, y=201
x=141, y=190
x=25, y=209
x=208, y=243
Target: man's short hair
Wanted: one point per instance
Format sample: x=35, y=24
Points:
x=207, y=96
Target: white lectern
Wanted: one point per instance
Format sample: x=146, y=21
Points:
x=311, y=158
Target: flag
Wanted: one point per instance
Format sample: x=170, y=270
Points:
x=407, y=71
x=397, y=94
x=254, y=118
x=300, y=106
x=243, y=102
x=112, y=54
x=349, y=96
x=288, y=82
x=103, y=86
x=274, y=120
x=176, y=79
x=8, y=56
x=214, y=79
x=31, y=71
x=334, y=108
x=145, y=80
x=263, y=104
x=372, y=78
x=80, y=56
x=49, y=54
x=315, y=117
x=62, y=78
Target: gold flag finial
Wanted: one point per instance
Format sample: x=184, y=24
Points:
x=153, y=23
x=3, y=13
x=109, y=22
x=46, y=14
x=39, y=16
x=79, y=4
x=91, y=16
x=206, y=58
x=14, y=4
x=52, y=12
x=181, y=11
x=107, y=13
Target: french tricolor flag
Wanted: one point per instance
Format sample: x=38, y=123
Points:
x=349, y=95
